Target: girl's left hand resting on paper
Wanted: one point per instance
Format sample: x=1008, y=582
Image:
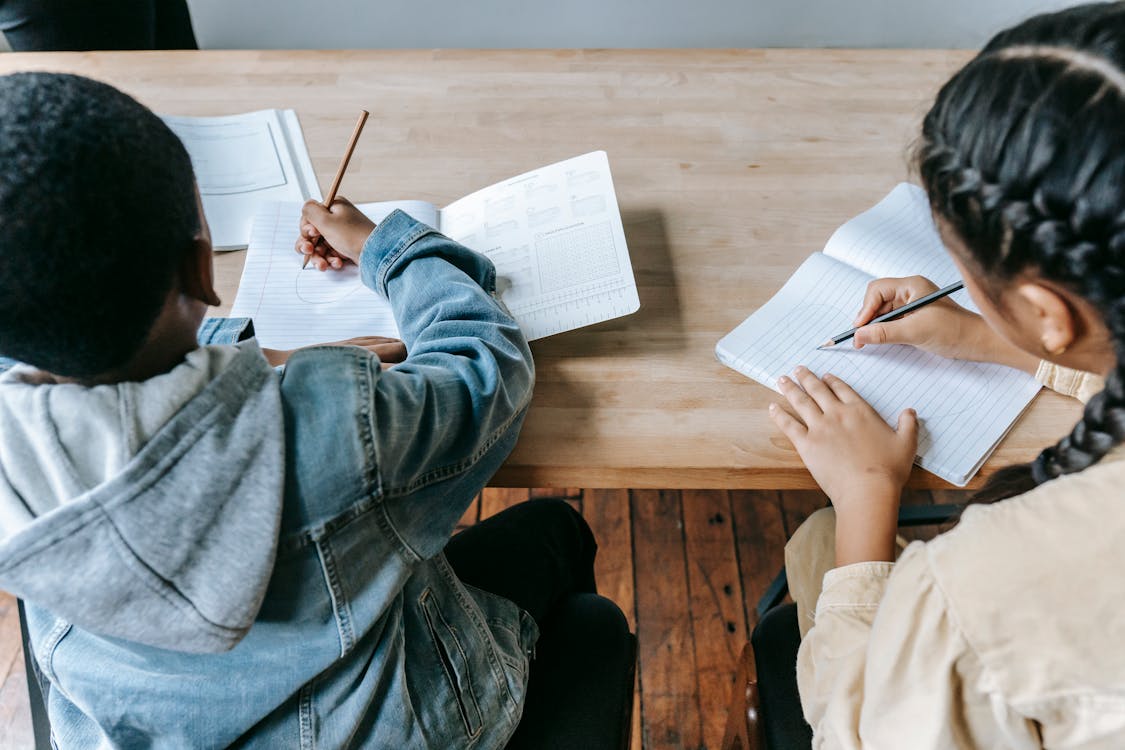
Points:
x=341, y=229
x=859, y=461
x=390, y=351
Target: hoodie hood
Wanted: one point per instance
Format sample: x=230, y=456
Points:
x=145, y=511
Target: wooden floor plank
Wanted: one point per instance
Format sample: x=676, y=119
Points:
x=669, y=698
x=759, y=532
x=607, y=512
x=471, y=514
x=15, y=711
x=717, y=615
x=495, y=499
x=570, y=493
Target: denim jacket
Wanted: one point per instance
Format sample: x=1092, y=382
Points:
x=265, y=569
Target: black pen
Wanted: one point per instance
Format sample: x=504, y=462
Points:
x=907, y=308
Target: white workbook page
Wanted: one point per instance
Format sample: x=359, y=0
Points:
x=556, y=238
x=964, y=408
x=241, y=161
x=293, y=307
x=897, y=238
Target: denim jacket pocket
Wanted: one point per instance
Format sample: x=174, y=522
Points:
x=454, y=662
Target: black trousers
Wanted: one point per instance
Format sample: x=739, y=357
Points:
x=540, y=555
x=80, y=25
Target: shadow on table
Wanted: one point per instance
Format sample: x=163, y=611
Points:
x=658, y=324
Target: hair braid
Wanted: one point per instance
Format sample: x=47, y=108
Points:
x=1023, y=157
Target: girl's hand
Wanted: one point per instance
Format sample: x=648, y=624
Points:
x=941, y=327
x=860, y=462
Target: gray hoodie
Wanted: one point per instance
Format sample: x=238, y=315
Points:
x=161, y=499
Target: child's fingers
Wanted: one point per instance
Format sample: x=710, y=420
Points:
x=843, y=391
x=308, y=230
x=908, y=426
x=878, y=298
x=820, y=393
x=789, y=425
x=801, y=402
x=902, y=331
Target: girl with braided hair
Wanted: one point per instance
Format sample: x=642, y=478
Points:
x=1009, y=630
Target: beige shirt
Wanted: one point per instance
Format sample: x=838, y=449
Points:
x=1006, y=632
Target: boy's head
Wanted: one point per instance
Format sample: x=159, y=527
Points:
x=99, y=223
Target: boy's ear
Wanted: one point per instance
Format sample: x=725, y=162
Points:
x=197, y=273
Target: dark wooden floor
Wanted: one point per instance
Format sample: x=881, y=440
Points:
x=687, y=567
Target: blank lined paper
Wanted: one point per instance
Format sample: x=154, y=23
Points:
x=293, y=307
x=964, y=408
x=897, y=238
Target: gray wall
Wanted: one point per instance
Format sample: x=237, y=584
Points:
x=328, y=24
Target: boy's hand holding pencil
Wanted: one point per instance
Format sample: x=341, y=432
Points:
x=330, y=237
x=324, y=258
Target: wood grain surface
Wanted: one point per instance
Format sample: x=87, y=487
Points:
x=730, y=168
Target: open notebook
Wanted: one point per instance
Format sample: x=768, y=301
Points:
x=554, y=234
x=964, y=408
x=242, y=160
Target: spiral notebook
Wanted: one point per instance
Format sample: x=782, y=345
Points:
x=965, y=408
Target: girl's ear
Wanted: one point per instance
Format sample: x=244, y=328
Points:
x=197, y=273
x=1053, y=318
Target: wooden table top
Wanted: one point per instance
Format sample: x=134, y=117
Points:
x=731, y=167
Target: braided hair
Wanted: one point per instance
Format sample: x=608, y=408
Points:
x=1023, y=155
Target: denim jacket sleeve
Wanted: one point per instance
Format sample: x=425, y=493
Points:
x=441, y=422
x=224, y=331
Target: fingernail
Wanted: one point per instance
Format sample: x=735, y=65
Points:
x=783, y=380
x=773, y=408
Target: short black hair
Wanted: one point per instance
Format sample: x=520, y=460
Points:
x=97, y=212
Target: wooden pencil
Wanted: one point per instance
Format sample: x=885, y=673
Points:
x=363, y=115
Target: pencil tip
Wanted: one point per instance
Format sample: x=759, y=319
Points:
x=826, y=345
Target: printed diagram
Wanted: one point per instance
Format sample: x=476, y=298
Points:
x=539, y=217
x=591, y=205
x=578, y=256
x=575, y=179
x=324, y=288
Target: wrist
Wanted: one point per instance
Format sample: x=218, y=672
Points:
x=870, y=538
x=276, y=357
x=989, y=346
x=866, y=525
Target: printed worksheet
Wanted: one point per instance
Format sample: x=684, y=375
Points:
x=964, y=408
x=242, y=161
x=555, y=236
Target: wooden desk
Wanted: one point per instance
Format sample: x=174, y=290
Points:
x=730, y=167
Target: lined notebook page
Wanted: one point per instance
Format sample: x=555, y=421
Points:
x=292, y=307
x=897, y=238
x=964, y=408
